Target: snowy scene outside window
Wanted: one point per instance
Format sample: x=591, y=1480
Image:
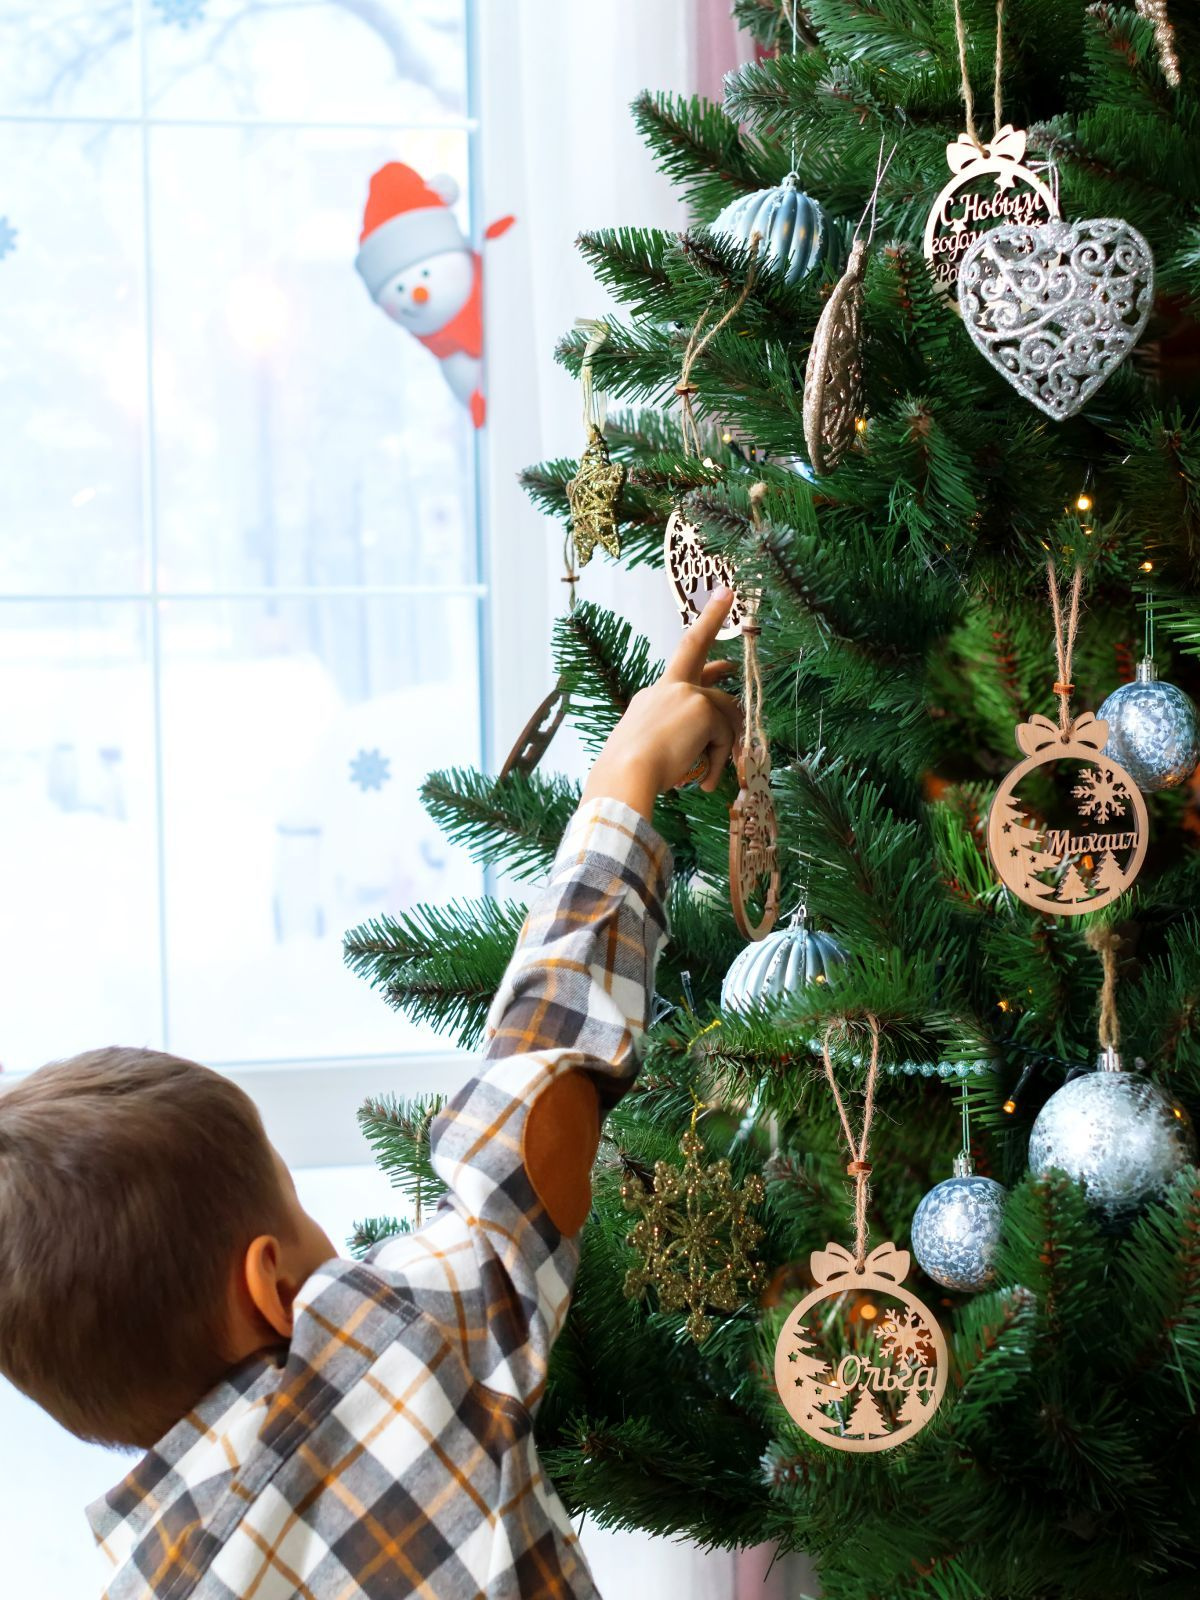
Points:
x=241, y=594
x=241, y=591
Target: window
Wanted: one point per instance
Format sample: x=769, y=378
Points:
x=241, y=579
x=241, y=590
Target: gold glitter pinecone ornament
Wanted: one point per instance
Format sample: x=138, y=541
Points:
x=696, y=1237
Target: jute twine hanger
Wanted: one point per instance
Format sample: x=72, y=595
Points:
x=698, y=343
x=960, y=32
x=858, y=1168
x=1106, y=941
x=1064, y=641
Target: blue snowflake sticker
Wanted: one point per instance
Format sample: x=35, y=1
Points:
x=370, y=769
x=183, y=13
x=8, y=238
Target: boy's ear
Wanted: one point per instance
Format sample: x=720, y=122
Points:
x=267, y=1285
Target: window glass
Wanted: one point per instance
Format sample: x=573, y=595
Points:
x=240, y=606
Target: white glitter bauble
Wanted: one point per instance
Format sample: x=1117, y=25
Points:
x=783, y=963
x=1119, y=1135
x=1152, y=730
x=793, y=229
x=957, y=1227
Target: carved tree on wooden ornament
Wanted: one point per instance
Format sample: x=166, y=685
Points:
x=867, y=1421
x=913, y=1408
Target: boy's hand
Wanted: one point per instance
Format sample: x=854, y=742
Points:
x=670, y=726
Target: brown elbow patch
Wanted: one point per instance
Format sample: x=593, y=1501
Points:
x=562, y=1133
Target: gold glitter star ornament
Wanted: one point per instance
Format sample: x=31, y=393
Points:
x=593, y=494
x=696, y=1237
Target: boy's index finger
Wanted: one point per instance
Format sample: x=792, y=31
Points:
x=692, y=651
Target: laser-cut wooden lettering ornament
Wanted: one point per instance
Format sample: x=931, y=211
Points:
x=754, y=844
x=989, y=184
x=694, y=573
x=1078, y=843
x=753, y=825
x=861, y=1363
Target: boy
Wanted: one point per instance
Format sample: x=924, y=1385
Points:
x=317, y=1427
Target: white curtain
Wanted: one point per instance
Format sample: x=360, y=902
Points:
x=561, y=154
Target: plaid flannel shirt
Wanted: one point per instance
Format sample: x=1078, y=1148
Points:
x=392, y=1452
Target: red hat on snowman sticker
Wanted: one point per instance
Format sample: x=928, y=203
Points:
x=420, y=269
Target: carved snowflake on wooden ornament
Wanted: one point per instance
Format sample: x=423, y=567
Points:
x=904, y=1335
x=1101, y=794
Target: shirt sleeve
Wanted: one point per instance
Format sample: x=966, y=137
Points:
x=515, y=1146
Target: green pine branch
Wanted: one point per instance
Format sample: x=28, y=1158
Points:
x=440, y=965
x=516, y=822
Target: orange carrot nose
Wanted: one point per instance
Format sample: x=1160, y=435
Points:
x=420, y=294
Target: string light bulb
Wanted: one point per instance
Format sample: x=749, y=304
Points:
x=860, y=424
x=1083, y=501
x=1010, y=1105
x=1146, y=566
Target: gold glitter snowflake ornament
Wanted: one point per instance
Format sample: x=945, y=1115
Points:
x=696, y=1237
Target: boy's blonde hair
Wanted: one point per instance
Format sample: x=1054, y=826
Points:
x=130, y=1184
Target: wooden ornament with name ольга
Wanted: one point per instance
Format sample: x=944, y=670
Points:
x=860, y=1363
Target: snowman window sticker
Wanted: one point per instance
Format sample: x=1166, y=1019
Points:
x=421, y=271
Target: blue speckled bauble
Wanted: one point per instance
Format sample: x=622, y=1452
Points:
x=783, y=963
x=1119, y=1135
x=1152, y=730
x=957, y=1227
x=794, y=231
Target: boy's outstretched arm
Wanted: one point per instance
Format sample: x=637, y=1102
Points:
x=516, y=1145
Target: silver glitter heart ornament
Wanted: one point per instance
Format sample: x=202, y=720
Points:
x=1057, y=307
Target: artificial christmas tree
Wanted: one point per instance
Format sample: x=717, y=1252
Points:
x=905, y=631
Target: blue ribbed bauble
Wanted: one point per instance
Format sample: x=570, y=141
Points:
x=957, y=1227
x=1152, y=731
x=794, y=230
x=783, y=963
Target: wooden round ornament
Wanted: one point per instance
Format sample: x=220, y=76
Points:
x=1067, y=829
x=861, y=1363
x=754, y=843
x=989, y=184
x=694, y=573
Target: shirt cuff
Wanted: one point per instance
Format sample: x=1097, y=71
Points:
x=618, y=840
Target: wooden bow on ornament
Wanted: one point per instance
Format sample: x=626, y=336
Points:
x=835, y=1262
x=1006, y=145
x=1039, y=733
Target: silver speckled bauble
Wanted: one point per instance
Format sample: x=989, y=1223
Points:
x=794, y=231
x=957, y=1227
x=1119, y=1135
x=783, y=963
x=1152, y=730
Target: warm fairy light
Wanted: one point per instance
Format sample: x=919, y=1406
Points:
x=1146, y=566
x=1010, y=1106
x=820, y=978
x=860, y=424
x=1004, y=1004
x=1088, y=862
x=1177, y=1112
x=868, y=1312
x=726, y=437
x=1083, y=502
